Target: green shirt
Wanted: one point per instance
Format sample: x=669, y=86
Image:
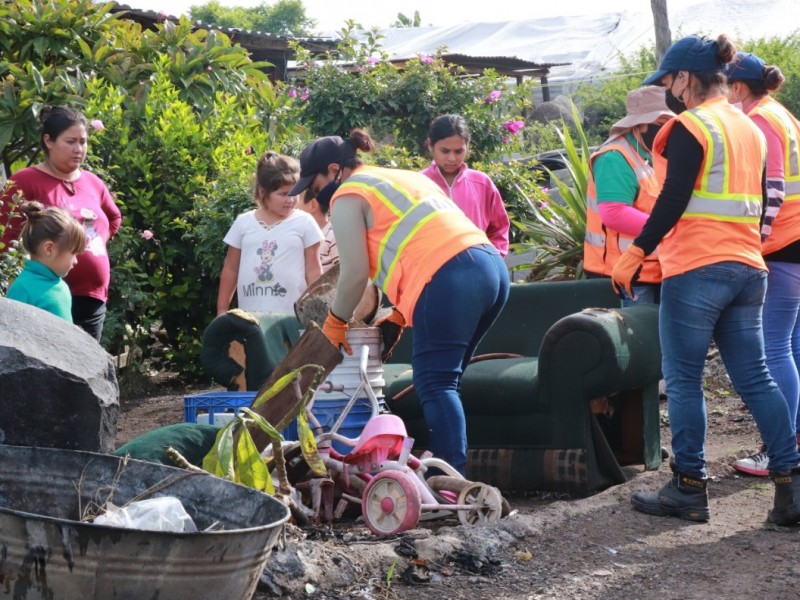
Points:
x=614, y=179
x=38, y=286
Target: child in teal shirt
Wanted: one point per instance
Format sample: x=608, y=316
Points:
x=53, y=238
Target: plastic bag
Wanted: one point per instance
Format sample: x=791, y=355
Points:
x=155, y=514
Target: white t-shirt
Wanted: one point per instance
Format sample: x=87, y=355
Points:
x=272, y=271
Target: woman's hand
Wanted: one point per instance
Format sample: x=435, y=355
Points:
x=626, y=270
x=336, y=331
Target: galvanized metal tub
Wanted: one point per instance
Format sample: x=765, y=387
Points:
x=47, y=552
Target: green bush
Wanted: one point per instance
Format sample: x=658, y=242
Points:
x=603, y=102
x=171, y=166
x=180, y=110
x=354, y=86
x=11, y=258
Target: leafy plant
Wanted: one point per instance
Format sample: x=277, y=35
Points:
x=284, y=17
x=235, y=456
x=11, y=258
x=557, y=229
x=603, y=101
x=354, y=86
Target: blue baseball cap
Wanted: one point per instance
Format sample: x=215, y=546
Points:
x=745, y=67
x=693, y=53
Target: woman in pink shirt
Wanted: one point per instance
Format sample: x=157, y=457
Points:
x=473, y=191
x=59, y=181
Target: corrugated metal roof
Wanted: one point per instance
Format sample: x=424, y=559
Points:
x=252, y=40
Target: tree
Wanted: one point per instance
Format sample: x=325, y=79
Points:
x=661, y=23
x=285, y=17
x=404, y=21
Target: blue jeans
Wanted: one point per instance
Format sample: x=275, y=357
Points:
x=722, y=301
x=782, y=332
x=454, y=311
x=643, y=293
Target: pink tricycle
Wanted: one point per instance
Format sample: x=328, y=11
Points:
x=390, y=483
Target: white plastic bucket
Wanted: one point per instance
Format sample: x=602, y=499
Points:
x=347, y=373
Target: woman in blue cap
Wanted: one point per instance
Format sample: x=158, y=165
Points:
x=750, y=82
x=706, y=224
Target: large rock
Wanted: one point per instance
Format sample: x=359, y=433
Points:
x=558, y=109
x=58, y=387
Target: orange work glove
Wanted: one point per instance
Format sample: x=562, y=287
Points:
x=336, y=330
x=391, y=328
x=626, y=270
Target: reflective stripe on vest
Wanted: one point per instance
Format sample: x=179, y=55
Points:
x=412, y=214
x=789, y=129
x=642, y=171
x=713, y=200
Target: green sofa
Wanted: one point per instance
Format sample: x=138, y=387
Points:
x=580, y=403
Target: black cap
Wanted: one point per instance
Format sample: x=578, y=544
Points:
x=315, y=159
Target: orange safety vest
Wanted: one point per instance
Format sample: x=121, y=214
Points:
x=602, y=246
x=721, y=221
x=786, y=227
x=416, y=229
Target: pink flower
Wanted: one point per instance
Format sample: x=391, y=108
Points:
x=505, y=139
x=425, y=59
x=373, y=60
x=162, y=16
x=147, y=234
x=545, y=190
x=209, y=68
x=97, y=125
x=513, y=127
x=291, y=93
x=305, y=94
x=492, y=97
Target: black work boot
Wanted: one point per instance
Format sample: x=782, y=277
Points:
x=786, y=508
x=684, y=496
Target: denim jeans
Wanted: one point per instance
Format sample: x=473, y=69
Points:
x=454, y=311
x=722, y=301
x=782, y=331
x=643, y=293
x=89, y=314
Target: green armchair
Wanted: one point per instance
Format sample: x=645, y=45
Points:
x=568, y=393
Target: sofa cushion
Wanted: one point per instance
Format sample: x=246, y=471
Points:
x=193, y=441
x=481, y=394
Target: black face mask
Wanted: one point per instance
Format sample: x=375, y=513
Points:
x=649, y=134
x=325, y=195
x=673, y=103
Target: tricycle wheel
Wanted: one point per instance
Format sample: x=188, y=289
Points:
x=487, y=504
x=445, y=488
x=391, y=503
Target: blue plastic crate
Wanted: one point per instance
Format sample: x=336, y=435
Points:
x=213, y=403
x=220, y=402
x=327, y=408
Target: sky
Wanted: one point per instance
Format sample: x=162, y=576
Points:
x=331, y=14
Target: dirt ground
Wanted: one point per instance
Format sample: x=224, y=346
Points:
x=549, y=547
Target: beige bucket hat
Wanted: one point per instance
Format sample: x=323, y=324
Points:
x=644, y=105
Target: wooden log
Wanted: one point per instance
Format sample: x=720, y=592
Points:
x=313, y=348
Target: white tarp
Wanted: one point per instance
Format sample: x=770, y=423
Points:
x=593, y=43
